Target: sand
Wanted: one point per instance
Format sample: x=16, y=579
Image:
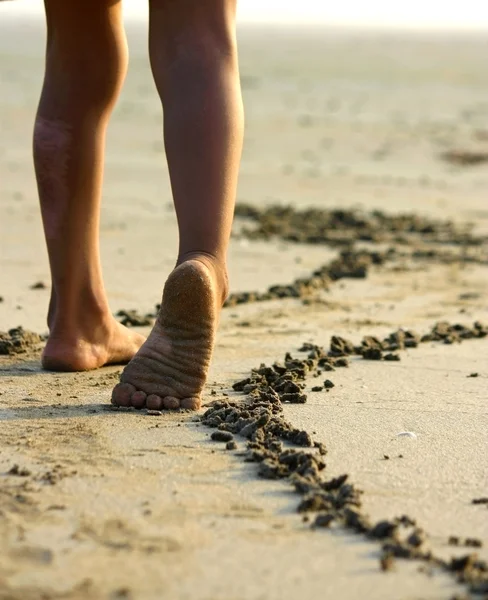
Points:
x=115, y=504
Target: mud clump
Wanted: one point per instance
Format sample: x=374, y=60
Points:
x=131, y=318
x=19, y=471
x=465, y=158
x=479, y=501
x=323, y=520
x=222, y=436
x=454, y=540
x=284, y=382
x=449, y=334
x=18, y=341
x=383, y=529
x=55, y=475
x=417, y=538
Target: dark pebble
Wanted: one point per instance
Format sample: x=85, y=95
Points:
x=383, y=529
x=479, y=501
x=417, y=538
x=323, y=520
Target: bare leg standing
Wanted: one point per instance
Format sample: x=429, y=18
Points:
x=194, y=61
x=86, y=61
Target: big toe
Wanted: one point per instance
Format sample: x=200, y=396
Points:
x=122, y=394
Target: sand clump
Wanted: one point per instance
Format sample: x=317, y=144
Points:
x=132, y=318
x=465, y=158
x=19, y=341
x=480, y=501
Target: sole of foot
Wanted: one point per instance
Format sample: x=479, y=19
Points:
x=170, y=369
x=115, y=345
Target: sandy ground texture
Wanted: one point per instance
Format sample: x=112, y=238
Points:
x=99, y=503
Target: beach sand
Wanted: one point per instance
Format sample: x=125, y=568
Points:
x=111, y=504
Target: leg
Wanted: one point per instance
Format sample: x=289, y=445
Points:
x=86, y=61
x=194, y=61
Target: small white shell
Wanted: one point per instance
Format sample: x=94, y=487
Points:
x=409, y=434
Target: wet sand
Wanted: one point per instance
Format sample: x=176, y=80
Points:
x=119, y=504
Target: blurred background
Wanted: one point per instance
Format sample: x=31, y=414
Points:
x=374, y=105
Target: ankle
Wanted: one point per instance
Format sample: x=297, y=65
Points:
x=87, y=317
x=217, y=266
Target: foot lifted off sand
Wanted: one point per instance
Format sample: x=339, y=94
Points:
x=170, y=369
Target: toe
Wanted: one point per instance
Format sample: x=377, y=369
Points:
x=154, y=402
x=191, y=403
x=138, y=399
x=170, y=402
x=122, y=393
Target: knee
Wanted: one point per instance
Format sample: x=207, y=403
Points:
x=90, y=73
x=199, y=42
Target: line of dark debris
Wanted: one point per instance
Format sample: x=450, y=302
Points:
x=344, y=227
x=350, y=264
x=372, y=348
x=335, y=502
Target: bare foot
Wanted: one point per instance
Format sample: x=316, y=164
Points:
x=170, y=369
x=110, y=343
